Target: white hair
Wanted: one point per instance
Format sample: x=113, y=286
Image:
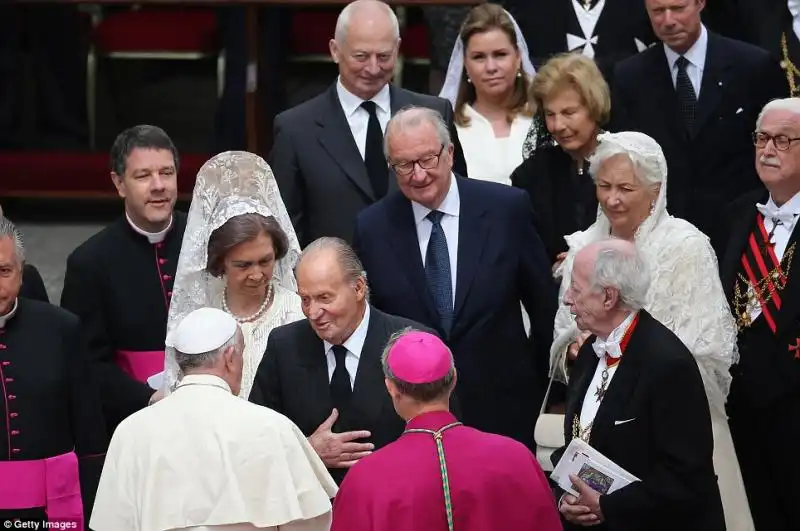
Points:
x=646, y=169
x=189, y=362
x=343, y=22
x=9, y=230
x=410, y=117
x=624, y=270
x=782, y=104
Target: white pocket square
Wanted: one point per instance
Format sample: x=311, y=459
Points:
x=619, y=422
x=739, y=110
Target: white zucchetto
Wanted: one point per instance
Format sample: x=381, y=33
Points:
x=203, y=330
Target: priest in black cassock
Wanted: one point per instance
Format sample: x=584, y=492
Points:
x=53, y=436
x=119, y=282
x=605, y=30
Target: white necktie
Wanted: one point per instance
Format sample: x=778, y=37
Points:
x=610, y=346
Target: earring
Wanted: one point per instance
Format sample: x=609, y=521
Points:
x=519, y=73
x=469, y=80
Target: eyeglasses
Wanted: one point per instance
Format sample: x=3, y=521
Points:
x=781, y=142
x=426, y=163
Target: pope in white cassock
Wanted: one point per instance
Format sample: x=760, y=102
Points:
x=204, y=459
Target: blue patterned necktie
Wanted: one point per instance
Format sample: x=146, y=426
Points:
x=686, y=95
x=437, y=271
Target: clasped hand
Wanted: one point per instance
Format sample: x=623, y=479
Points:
x=585, y=508
x=337, y=450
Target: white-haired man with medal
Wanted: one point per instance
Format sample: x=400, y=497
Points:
x=204, y=459
x=636, y=396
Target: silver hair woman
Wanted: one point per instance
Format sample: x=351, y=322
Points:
x=686, y=295
x=238, y=255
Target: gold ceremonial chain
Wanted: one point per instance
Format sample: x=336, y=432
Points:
x=581, y=433
x=789, y=67
x=747, y=295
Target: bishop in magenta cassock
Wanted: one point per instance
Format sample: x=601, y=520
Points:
x=52, y=435
x=440, y=475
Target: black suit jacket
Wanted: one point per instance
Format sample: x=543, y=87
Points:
x=501, y=262
x=768, y=370
x=292, y=379
x=320, y=172
x=712, y=165
x=667, y=441
x=33, y=285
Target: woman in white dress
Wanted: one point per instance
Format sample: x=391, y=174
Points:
x=238, y=254
x=630, y=174
x=487, y=84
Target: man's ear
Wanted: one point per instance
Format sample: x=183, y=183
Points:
x=610, y=298
x=119, y=184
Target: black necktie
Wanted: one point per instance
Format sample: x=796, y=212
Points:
x=377, y=169
x=340, y=382
x=437, y=271
x=686, y=96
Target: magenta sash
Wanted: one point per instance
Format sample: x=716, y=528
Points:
x=52, y=483
x=141, y=364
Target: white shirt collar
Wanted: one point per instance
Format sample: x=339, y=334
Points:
x=5, y=318
x=790, y=209
x=351, y=103
x=355, y=343
x=611, y=345
x=451, y=204
x=209, y=380
x=794, y=7
x=696, y=55
x=152, y=237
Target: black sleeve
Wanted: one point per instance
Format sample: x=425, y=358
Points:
x=33, y=285
x=266, y=389
x=459, y=162
x=120, y=394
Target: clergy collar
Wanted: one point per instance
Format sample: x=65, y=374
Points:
x=696, y=55
x=431, y=420
x=451, y=204
x=152, y=237
x=209, y=380
x=351, y=103
x=5, y=318
x=355, y=343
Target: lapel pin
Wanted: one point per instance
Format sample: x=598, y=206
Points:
x=795, y=348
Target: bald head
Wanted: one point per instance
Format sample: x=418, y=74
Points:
x=366, y=13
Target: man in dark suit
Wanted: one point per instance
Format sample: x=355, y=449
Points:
x=763, y=291
x=328, y=152
x=636, y=396
x=697, y=94
x=459, y=255
x=341, y=404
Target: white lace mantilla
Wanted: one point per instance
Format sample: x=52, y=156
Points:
x=229, y=185
x=685, y=294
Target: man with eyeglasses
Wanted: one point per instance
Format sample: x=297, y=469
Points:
x=459, y=255
x=760, y=276
x=328, y=151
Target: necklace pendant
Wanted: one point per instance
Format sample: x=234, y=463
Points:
x=600, y=392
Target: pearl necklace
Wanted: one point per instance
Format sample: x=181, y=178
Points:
x=253, y=317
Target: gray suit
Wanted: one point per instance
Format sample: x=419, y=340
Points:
x=320, y=172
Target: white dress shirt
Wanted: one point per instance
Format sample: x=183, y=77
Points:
x=450, y=207
x=488, y=157
x=781, y=235
x=358, y=117
x=696, y=55
x=590, y=402
x=354, y=345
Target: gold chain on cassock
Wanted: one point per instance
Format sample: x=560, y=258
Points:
x=746, y=295
x=789, y=67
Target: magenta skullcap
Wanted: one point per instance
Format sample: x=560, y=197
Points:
x=418, y=358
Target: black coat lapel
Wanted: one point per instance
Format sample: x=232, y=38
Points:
x=711, y=85
x=406, y=248
x=662, y=90
x=742, y=226
x=311, y=353
x=790, y=305
x=337, y=139
x=584, y=372
x=472, y=232
x=368, y=389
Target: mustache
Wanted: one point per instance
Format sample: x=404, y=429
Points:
x=769, y=160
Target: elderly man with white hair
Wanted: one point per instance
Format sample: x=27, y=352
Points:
x=203, y=459
x=636, y=395
x=760, y=282
x=630, y=175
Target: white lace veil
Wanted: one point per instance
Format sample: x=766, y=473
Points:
x=689, y=299
x=455, y=69
x=228, y=185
